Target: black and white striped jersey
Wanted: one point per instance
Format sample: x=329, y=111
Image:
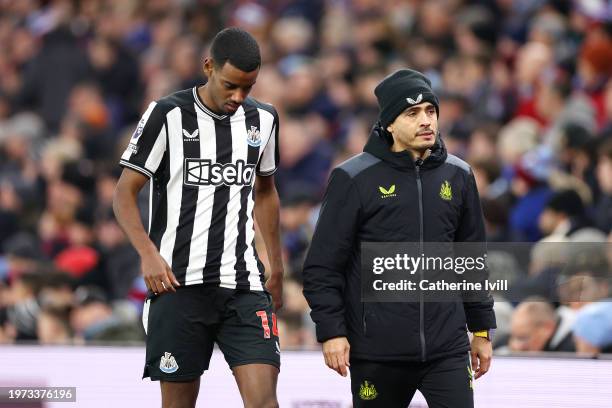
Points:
x=202, y=168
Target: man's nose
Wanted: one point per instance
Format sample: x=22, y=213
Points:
x=239, y=96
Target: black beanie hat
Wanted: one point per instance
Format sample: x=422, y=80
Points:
x=401, y=90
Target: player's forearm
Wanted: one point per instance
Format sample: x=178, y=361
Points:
x=128, y=217
x=267, y=206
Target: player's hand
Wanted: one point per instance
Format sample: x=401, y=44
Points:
x=336, y=353
x=274, y=285
x=157, y=274
x=482, y=353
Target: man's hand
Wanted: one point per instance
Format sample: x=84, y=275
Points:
x=157, y=274
x=336, y=353
x=274, y=285
x=482, y=352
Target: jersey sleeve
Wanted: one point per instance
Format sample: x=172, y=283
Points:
x=148, y=143
x=270, y=156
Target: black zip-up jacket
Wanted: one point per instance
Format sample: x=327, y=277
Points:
x=353, y=212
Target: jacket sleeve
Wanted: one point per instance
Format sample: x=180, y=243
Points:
x=325, y=265
x=478, y=309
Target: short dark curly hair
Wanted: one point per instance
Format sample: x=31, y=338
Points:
x=236, y=46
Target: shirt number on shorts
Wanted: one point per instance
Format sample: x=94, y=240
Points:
x=264, y=324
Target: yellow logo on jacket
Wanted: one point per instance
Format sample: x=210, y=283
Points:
x=446, y=192
x=387, y=192
x=367, y=391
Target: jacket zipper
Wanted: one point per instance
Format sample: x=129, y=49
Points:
x=419, y=162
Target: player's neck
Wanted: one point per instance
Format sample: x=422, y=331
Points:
x=206, y=99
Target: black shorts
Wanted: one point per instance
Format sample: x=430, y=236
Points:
x=445, y=383
x=182, y=328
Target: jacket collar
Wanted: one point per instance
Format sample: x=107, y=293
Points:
x=379, y=145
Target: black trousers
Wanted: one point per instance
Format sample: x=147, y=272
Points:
x=445, y=383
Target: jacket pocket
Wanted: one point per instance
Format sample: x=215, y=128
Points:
x=392, y=329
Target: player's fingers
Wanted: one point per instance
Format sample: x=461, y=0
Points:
x=335, y=364
x=480, y=371
x=327, y=362
x=155, y=286
x=167, y=284
x=485, y=364
x=474, y=356
x=148, y=283
x=172, y=278
x=346, y=355
x=341, y=364
x=331, y=361
x=159, y=284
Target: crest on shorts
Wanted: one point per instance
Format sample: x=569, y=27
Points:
x=167, y=363
x=367, y=391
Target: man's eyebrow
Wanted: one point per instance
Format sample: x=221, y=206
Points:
x=236, y=85
x=418, y=108
x=413, y=109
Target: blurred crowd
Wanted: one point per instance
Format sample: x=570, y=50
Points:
x=525, y=97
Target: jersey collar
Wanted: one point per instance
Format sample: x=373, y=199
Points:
x=203, y=107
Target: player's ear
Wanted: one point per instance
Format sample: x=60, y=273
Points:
x=209, y=65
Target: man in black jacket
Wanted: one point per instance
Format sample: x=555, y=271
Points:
x=427, y=195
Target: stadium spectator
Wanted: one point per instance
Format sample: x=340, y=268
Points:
x=93, y=319
x=563, y=216
x=535, y=326
x=52, y=73
x=53, y=326
x=296, y=208
x=584, y=285
x=604, y=177
x=586, y=277
x=7, y=330
x=593, y=328
x=530, y=187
